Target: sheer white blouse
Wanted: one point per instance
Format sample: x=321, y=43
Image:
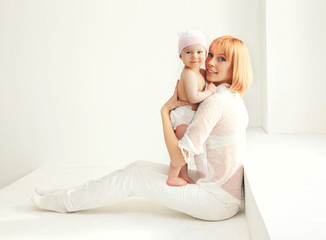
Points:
x=216, y=139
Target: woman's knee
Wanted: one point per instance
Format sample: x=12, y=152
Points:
x=137, y=164
x=150, y=166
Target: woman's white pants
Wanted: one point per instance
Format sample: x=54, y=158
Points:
x=148, y=180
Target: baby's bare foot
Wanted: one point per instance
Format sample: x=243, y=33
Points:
x=184, y=175
x=176, y=181
x=187, y=178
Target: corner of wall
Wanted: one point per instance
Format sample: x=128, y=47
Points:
x=264, y=91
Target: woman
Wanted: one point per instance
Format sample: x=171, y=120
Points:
x=215, y=138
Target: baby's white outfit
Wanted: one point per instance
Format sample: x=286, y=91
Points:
x=182, y=115
x=216, y=139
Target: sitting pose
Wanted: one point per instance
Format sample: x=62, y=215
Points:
x=215, y=138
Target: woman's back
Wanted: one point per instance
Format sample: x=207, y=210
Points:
x=217, y=138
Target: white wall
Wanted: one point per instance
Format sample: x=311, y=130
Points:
x=82, y=82
x=295, y=46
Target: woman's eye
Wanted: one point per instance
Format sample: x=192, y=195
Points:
x=222, y=59
x=210, y=55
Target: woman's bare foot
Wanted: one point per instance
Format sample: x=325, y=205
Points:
x=176, y=181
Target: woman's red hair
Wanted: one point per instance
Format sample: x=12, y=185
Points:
x=236, y=52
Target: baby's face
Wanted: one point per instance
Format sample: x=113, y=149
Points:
x=193, y=56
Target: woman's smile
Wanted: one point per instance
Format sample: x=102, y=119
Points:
x=210, y=71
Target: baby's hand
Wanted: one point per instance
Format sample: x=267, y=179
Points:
x=212, y=88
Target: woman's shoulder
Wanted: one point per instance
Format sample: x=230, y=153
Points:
x=224, y=90
x=221, y=96
x=213, y=101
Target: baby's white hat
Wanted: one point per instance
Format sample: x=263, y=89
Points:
x=191, y=37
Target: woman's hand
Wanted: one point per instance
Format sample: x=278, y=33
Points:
x=173, y=102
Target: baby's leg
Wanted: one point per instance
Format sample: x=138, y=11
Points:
x=173, y=178
x=180, y=130
x=184, y=174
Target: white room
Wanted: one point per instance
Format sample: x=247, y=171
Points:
x=82, y=84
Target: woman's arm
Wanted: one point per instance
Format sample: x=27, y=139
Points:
x=206, y=118
x=170, y=138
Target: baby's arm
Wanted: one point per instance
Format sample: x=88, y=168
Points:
x=191, y=87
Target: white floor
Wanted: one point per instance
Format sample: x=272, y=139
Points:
x=130, y=219
x=286, y=174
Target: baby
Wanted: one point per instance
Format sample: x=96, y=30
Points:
x=191, y=89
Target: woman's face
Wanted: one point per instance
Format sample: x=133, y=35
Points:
x=218, y=68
